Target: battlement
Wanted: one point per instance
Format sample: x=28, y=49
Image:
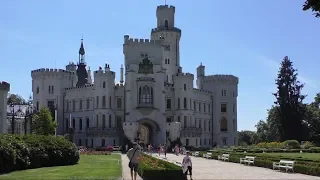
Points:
x=158, y=29
x=163, y=7
x=221, y=78
x=47, y=70
x=136, y=41
x=197, y=91
x=4, y=86
x=185, y=74
x=80, y=87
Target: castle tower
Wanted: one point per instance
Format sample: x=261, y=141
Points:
x=82, y=71
x=200, y=75
x=170, y=36
x=89, y=76
x=4, y=89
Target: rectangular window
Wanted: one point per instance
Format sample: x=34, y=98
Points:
x=209, y=108
x=80, y=104
x=87, y=123
x=88, y=103
x=234, y=108
x=223, y=92
x=97, y=103
x=73, y=105
x=224, y=141
x=86, y=142
x=185, y=87
x=204, y=107
x=223, y=108
x=80, y=124
x=169, y=119
x=168, y=103
x=80, y=143
x=119, y=103
x=104, y=101
x=199, y=107
x=178, y=118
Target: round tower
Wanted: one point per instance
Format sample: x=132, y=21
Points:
x=4, y=89
x=225, y=90
x=170, y=37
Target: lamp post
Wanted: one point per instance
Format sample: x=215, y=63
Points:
x=12, y=118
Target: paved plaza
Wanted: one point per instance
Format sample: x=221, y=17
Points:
x=214, y=169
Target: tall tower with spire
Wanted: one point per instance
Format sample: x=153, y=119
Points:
x=82, y=71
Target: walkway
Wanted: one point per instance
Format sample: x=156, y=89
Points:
x=125, y=169
x=214, y=169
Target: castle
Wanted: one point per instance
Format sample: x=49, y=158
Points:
x=155, y=101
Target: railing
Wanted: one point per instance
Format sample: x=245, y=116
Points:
x=191, y=132
x=93, y=131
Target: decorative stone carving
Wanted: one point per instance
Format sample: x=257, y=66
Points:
x=145, y=67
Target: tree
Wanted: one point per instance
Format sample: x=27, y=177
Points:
x=314, y=5
x=313, y=119
x=43, y=123
x=289, y=100
x=16, y=99
x=246, y=138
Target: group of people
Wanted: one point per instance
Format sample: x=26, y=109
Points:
x=134, y=155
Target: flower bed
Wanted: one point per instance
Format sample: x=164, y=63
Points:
x=156, y=169
x=34, y=151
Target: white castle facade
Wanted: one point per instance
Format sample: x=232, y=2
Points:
x=155, y=101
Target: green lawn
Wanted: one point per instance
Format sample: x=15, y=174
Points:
x=311, y=156
x=89, y=167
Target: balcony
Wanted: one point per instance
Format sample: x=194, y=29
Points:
x=191, y=132
x=93, y=131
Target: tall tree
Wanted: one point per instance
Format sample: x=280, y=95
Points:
x=314, y=5
x=43, y=123
x=313, y=119
x=290, y=101
x=246, y=138
x=16, y=99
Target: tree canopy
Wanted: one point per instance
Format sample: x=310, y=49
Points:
x=16, y=99
x=314, y=5
x=43, y=123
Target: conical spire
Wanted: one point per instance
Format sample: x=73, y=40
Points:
x=81, y=50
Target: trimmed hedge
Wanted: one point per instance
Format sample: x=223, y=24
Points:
x=151, y=168
x=35, y=151
x=303, y=166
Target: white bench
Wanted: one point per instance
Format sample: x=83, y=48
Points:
x=196, y=154
x=208, y=155
x=247, y=160
x=285, y=164
x=224, y=157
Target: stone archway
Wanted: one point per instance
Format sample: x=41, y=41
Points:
x=148, y=130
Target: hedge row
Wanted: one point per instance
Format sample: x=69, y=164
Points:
x=303, y=166
x=151, y=168
x=34, y=151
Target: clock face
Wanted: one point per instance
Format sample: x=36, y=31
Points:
x=167, y=47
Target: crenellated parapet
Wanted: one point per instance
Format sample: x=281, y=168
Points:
x=79, y=88
x=4, y=86
x=141, y=42
x=105, y=72
x=51, y=72
x=221, y=78
x=184, y=75
x=166, y=7
x=201, y=92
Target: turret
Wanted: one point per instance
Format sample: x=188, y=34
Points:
x=4, y=89
x=121, y=75
x=200, y=75
x=82, y=71
x=89, y=76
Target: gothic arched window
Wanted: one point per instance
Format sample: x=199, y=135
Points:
x=146, y=95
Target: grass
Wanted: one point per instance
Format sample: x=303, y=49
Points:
x=89, y=167
x=311, y=156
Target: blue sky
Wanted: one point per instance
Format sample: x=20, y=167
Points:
x=247, y=38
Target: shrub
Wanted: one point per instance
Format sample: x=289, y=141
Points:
x=95, y=152
x=156, y=169
x=307, y=145
x=291, y=144
x=34, y=151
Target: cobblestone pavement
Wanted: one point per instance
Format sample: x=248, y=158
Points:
x=214, y=169
x=125, y=169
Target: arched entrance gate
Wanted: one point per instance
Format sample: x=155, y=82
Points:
x=148, y=130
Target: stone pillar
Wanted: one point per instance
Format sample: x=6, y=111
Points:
x=4, y=89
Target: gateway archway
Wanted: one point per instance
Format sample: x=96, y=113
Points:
x=148, y=130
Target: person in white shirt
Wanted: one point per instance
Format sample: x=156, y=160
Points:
x=134, y=155
x=187, y=165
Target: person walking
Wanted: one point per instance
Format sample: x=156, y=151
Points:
x=187, y=165
x=134, y=155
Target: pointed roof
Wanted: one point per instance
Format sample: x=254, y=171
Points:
x=81, y=50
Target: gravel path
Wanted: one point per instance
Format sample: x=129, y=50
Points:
x=125, y=169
